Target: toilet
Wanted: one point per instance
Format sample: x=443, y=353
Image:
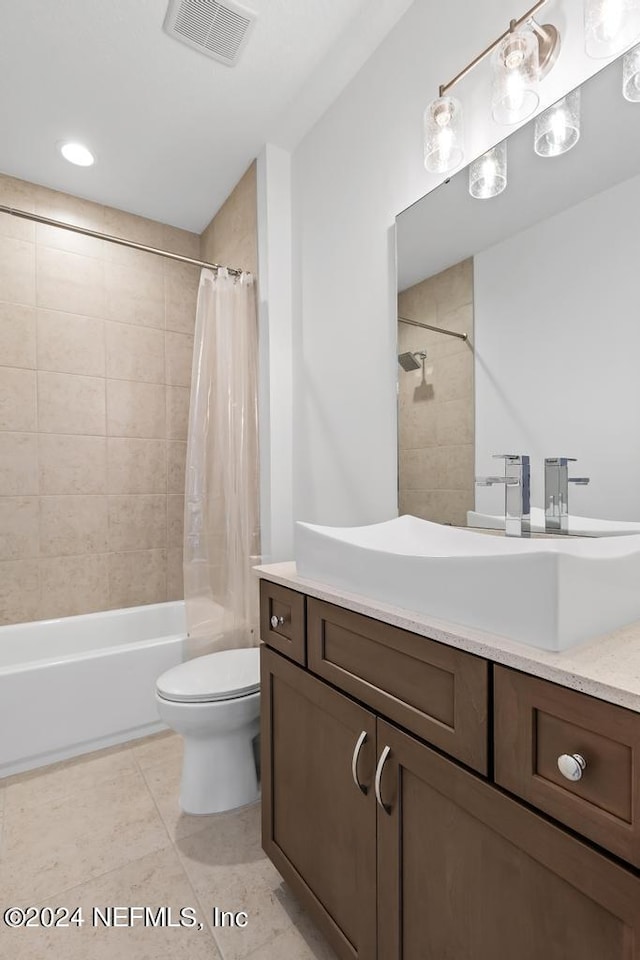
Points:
x=214, y=703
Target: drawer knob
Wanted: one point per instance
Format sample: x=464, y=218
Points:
x=571, y=766
x=276, y=622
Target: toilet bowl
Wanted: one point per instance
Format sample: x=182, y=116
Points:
x=214, y=703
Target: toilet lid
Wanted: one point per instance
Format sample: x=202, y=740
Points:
x=218, y=676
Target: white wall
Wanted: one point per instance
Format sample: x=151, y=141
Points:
x=557, y=348
x=357, y=168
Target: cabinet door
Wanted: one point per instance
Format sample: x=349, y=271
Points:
x=466, y=873
x=319, y=809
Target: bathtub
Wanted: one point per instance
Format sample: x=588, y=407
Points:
x=77, y=684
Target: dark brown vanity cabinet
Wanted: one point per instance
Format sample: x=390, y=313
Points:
x=398, y=851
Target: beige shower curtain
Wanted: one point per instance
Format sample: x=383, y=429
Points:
x=222, y=531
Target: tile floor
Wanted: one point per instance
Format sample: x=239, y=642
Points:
x=105, y=830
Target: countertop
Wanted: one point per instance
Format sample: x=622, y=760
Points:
x=607, y=667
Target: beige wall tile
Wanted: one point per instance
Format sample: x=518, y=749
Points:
x=68, y=343
x=72, y=465
x=17, y=399
x=69, y=209
x=175, y=581
x=18, y=464
x=231, y=237
x=136, y=578
x=179, y=357
x=136, y=409
x=181, y=241
x=70, y=282
x=73, y=525
x=72, y=585
x=137, y=522
x=18, y=528
x=177, y=412
x=118, y=223
x=453, y=377
x=135, y=353
x=181, y=283
x=17, y=336
x=17, y=271
x=455, y=423
x=175, y=520
x=136, y=466
x=61, y=239
x=71, y=404
x=135, y=294
x=176, y=460
x=19, y=194
x=19, y=591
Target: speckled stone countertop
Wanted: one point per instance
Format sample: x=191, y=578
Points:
x=607, y=667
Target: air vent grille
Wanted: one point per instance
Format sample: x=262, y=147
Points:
x=219, y=30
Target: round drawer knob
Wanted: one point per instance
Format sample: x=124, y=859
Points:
x=571, y=766
x=276, y=622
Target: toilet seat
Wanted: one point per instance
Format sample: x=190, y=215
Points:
x=226, y=675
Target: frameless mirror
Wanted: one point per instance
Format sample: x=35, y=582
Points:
x=544, y=280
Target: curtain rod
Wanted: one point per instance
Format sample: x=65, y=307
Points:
x=429, y=326
x=25, y=215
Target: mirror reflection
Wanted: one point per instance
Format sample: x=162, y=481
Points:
x=519, y=335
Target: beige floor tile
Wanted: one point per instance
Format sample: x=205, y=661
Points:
x=302, y=942
x=163, y=780
x=49, y=784
x=156, y=880
x=96, y=830
x=160, y=748
x=229, y=870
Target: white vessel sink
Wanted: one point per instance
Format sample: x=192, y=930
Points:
x=578, y=526
x=550, y=593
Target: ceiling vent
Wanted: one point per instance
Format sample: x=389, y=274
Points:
x=219, y=30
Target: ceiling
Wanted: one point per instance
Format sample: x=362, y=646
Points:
x=448, y=225
x=172, y=130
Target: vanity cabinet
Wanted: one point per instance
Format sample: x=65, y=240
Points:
x=398, y=850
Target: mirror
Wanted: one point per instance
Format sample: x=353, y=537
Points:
x=545, y=281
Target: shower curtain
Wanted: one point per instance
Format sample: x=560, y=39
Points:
x=222, y=532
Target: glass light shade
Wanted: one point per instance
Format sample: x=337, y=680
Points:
x=443, y=135
x=515, y=77
x=558, y=128
x=631, y=75
x=488, y=174
x=610, y=26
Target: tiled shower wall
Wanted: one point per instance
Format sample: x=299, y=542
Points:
x=95, y=362
x=436, y=411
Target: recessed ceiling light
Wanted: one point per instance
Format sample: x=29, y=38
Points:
x=78, y=154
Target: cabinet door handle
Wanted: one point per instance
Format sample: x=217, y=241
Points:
x=381, y=762
x=276, y=622
x=572, y=766
x=354, y=761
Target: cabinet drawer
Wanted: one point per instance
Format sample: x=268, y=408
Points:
x=536, y=722
x=433, y=690
x=287, y=636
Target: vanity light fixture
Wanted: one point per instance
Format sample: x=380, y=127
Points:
x=631, y=75
x=522, y=55
x=77, y=153
x=610, y=26
x=488, y=174
x=557, y=130
x=443, y=135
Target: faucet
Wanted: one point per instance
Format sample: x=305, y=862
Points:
x=556, y=493
x=517, y=493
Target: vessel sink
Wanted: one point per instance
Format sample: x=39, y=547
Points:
x=578, y=526
x=549, y=593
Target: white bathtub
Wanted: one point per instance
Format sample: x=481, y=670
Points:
x=77, y=684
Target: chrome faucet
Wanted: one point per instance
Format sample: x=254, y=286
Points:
x=517, y=493
x=556, y=493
